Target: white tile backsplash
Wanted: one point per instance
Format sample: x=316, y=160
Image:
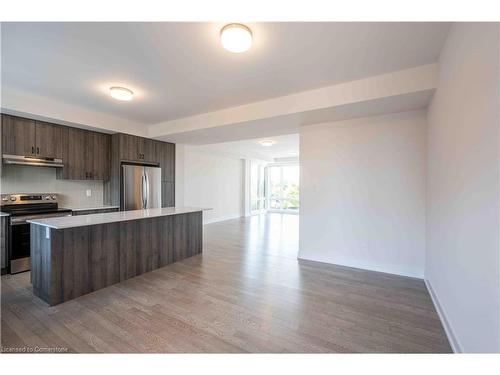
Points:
x=28, y=179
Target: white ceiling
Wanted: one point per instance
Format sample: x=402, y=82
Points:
x=180, y=69
x=286, y=146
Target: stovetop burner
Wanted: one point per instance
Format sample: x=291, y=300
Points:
x=30, y=204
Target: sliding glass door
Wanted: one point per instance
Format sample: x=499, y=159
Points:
x=283, y=188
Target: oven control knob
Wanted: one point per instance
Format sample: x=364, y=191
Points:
x=13, y=198
x=53, y=197
x=47, y=197
x=5, y=199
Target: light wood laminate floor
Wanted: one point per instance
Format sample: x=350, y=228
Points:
x=247, y=292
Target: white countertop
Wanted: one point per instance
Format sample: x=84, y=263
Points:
x=112, y=217
x=91, y=208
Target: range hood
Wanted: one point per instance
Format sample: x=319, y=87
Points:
x=28, y=160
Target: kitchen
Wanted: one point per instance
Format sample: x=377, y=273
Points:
x=132, y=174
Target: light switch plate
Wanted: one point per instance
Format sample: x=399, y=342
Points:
x=89, y=193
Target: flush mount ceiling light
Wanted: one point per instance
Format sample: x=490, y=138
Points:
x=121, y=93
x=236, y=37
x=267, y=142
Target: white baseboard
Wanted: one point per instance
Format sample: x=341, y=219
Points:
x=368, y=267
x=455, y=345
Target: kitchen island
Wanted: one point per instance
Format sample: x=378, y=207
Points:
x=73, y=256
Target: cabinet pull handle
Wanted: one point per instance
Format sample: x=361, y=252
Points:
x=86, y=175
x=32, y=149
x=38, y=150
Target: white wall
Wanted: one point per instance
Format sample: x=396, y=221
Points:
x=72, y=194
x=462, y=262
x=362, y=193
x=207, y=179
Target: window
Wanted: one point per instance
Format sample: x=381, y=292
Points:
x=257, y=188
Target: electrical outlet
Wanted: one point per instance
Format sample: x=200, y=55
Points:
x=89, y=193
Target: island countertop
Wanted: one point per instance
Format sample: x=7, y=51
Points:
x=112, y=217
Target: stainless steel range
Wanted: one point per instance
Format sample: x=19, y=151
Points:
x=22, y=207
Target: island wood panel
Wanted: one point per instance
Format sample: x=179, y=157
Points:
x=76, y=261
x=105, y=258
x=184, y=243
x=40, y=262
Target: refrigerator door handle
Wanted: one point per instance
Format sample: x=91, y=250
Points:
x=143, y=190
x=146, y=178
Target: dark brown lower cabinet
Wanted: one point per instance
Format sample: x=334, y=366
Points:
x=68, y=263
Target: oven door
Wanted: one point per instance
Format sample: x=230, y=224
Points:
x=20, y=247
x=20, y=240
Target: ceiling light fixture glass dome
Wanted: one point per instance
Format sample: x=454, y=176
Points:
x=267, y=142
x=121, y=93
x=236, y=37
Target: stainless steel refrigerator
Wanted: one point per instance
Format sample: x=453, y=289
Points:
x=141, y=187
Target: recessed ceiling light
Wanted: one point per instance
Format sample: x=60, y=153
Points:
x=236, y=37
x=267, y=142
x=121, y=93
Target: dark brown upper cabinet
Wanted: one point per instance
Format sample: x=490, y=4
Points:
x=101, y=155
x=48, y=140
x=86, y=155
x=27, y=137
x=147, y=150
x=18, y=136
x=129, y=147
x=166, y=153
x=137, y=149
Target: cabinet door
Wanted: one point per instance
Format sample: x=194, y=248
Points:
x=101, y=153
x=129, y=149
x=75, y=154
x=167, y=161
x=48, y=140
x=167, y=194
x=147, y=150
x=18, y=136
x=89, y=155
x=166, y=153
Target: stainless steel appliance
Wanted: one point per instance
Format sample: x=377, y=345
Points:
x=140, y=187
x=28, y=160
x=22, y=207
